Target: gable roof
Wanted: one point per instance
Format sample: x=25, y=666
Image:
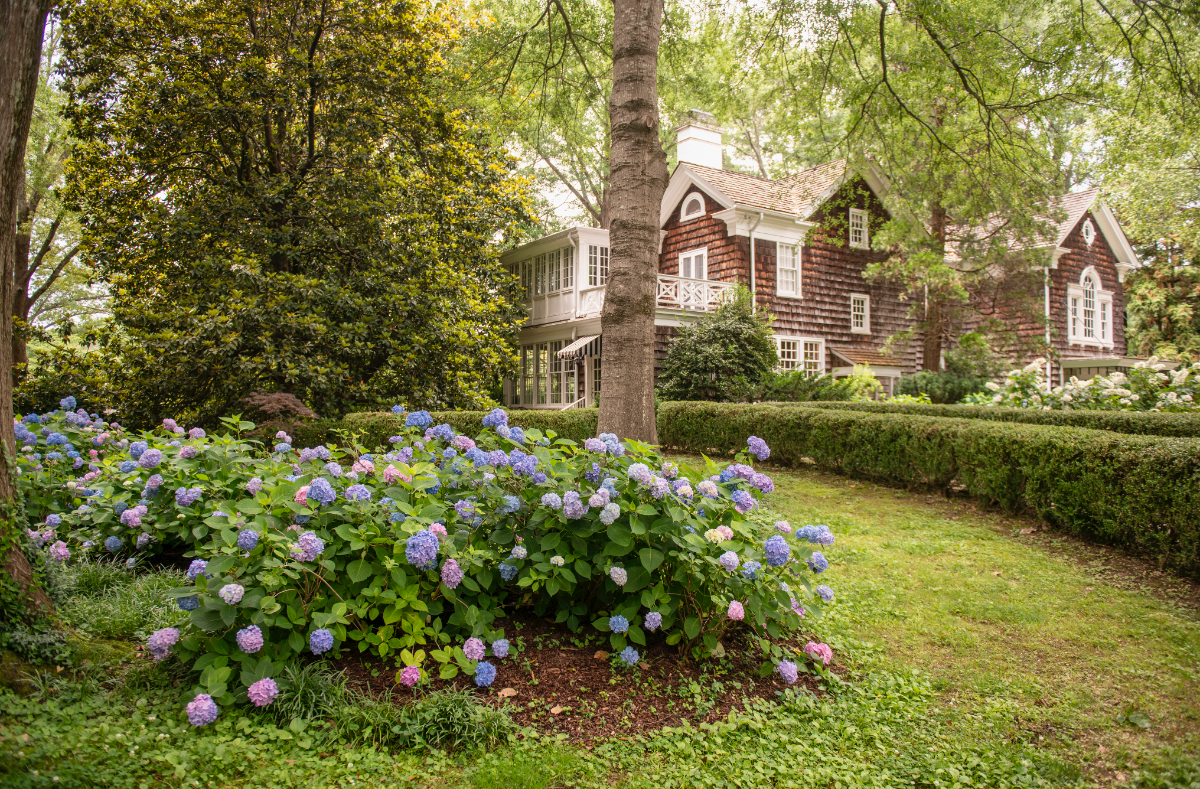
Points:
x=798, y=195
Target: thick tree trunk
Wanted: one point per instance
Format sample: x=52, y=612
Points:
x=22, y=25
x=935, y=314
x=637, y=180
x=20, y=307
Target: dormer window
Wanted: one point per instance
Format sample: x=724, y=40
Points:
x=1089, y=311
x=858, y=229
x=693, y=206
x=1089, y=232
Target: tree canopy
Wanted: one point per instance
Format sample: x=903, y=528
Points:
x=281, y=200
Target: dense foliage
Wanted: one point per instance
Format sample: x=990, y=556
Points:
x=416, y=553
x=1128, y=490
x=725, y=355
x=1163, y=305
x=372, y=429
x=1148, y=386
x=282, y=200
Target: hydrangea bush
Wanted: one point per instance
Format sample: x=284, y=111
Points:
x=1147, y=386
x=417, y=552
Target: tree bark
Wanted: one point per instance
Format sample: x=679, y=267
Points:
x=22, y=26
x=637, y=181
x=931, y=356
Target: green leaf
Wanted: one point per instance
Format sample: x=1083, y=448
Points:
x=647, y=509
x=448, y=671
x=220, y=565
x=691, y=627
x=650, y=558
x=638, y=578
x=359, y=570
x=207, y=619
x=619, y=533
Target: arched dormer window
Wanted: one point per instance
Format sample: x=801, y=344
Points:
x=1089, y=311
x=693, y=206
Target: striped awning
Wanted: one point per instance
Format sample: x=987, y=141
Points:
x=584, y=346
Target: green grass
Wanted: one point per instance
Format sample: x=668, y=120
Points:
x=970, y=655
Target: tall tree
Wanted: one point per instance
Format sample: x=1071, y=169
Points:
x=22, y=26
x=282, y=200
x=638, y=179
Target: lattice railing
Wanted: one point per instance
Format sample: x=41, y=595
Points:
x=691, y=294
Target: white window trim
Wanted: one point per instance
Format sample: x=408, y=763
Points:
x=800, y=341
x=799, y=293
x=1075, y=334
x=692, y=253
x=686, y=217
x=1088, y=231
x=866, y=239
x=866, y=328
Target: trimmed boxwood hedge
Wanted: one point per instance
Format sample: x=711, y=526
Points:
x=1139, y=492
x=1133, y=422
x=374, y=428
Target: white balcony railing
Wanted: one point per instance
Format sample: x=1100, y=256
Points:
x=691, y=294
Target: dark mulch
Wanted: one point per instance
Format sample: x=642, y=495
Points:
x=561, y=687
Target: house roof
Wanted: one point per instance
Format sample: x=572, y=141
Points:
x=872, y=356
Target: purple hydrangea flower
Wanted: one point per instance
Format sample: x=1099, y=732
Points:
x=232, y=593
x=320, y=641
x=500, y=648
x=552, y=500
x=573, y=506
x=254, y=486
x=823, y=536
x=356, y=493
x=818, y=563
x=618, y=624
x=247, y=539
x=186, y=497
x=729, y=560
x=202, y=710
x=495, y=418
x=410, y=676
x=708, y=489
x=421, y=549
x=150, y=458
x=783, y=527
x=787, y=671
x=750, y=570
x=610, y=513
x=519, y=552
x=143, y=540
x=640, y=472
x=113, y=544
x=777, y=550
x=485, y=674
x=250, y=639
x=321, y=491
x=308, y=547
x=758, y=447
x=59, y=551
x=452, y=574
x=474, y=649
x=653, y=621
x=629, y=656
x=743, y=502
x=187, y=453
x=825, y=592
x=263, y=692
x=53, y=521
x=619, y=576
x=594, y=445
x=762, y=482
x=196, y=568
x=137, y=448
x=161, y=641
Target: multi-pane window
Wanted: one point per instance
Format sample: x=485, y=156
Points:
x=595, y=378
x=542, y=352
x=858, y=229
x=788, y=266
x=568, y=267
x=1104, y=321
x=553, y=271
x=1089, y=308
x=556, y=371
x=860, y=313
x=1074, y=316
x=694, y=264
x=814, y=362
x=527, y=374
x=789, y=354
x=597, y=265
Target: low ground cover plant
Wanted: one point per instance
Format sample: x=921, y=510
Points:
x=417, y=552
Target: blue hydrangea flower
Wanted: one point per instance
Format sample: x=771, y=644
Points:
x=653, y=621
x=355, y=493
x=495, y=418
x=113, y=544
x=758, y=447
x=750, y=570
x=421, y=549
x=485, y=674
x=618, y=624
x=825, y=592
x=629, y=656
x=320, y=641
x=137, y=448
x=777, y=550
x=742, y=500
x=516, y=435
x=823, y=536
x=130, y=563
x=398, y=410
x=247, y=539
x=807, y=533
x=610, y=513
x=196, y=568
x=508, y=571
x=283, y=446
x=56, y=439
x=500, y=646
x=818, y=563
x=444, y=432
x=519, y=552
x=321, y=491
x=67, y=403
x=552, y=500
x=150, y=458
x=189, y=603
x=418, y=419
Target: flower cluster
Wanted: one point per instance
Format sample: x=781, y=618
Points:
x=1152, y=385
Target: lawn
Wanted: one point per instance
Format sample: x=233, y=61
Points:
x=968, y=654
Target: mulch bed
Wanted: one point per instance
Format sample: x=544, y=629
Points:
x=562, y=687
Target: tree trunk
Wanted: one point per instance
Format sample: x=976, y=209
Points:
x=637, y=180
x=20, y=306
x=22, y=26
x=935, y=315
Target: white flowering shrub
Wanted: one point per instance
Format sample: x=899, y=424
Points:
x=419, y=552
x=1148, y=386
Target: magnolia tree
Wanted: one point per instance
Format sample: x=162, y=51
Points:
x=1149, y=386
x=418, y=553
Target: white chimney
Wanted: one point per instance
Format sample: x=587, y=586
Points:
x=698, y=140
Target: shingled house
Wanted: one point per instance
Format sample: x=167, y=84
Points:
x=721, y=227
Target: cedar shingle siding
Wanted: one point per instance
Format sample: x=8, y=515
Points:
x=1070, y=269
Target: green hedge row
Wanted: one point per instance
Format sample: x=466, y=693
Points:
x=374, y=428
x=1139, y=492
x=1132, y=422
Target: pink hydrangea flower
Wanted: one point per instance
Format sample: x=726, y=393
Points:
x=474, y=649
x=783, y=527
x=263, y=692
x=820, y=652
x=439, y=530
x=302, y=495
x=736, y=612
x=725, y=532
x=410, y=676
x=60, y=551
x=391, y=474
x=363, y=466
